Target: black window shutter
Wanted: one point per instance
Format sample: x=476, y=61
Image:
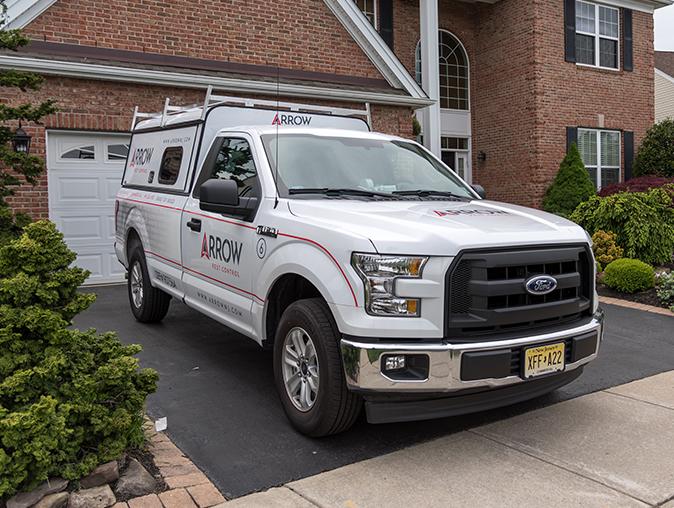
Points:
x=628, y=60
x=386, y=21
x=570, y=30
x=628, y=141
x=571, y=136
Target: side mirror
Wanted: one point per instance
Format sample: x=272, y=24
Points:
x=480, y=190
x=218, y=196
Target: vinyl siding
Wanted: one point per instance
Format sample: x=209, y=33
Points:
x=664, y=97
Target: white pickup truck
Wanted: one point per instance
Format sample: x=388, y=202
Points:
x=374, y=272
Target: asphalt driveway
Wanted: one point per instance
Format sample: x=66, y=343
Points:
x=217, y=391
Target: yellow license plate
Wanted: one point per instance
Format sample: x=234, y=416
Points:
x=543, y=360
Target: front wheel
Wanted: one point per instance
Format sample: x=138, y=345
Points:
x=148, y=304
x=308, y=371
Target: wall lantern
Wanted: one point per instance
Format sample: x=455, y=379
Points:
x=481, y=156
x=21, y=141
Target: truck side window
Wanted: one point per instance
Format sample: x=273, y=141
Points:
x=233, y=161
x=170, y=165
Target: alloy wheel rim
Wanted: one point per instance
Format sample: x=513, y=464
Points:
x=137, y=285
x=300, y=369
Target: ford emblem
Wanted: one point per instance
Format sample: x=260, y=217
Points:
x=541, y=285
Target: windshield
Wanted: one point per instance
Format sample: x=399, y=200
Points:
x=309, y=161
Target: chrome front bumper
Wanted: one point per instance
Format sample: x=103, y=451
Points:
x=362, y=361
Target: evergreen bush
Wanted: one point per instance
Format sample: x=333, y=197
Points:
x=69, y=399
x=571, y=186
x=629, y=275
x=643, y=222
x=656, y=153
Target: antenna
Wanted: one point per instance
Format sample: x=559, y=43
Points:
x=278, y=92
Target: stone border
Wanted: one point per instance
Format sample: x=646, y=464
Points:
x=188, y=486
x=635, y=305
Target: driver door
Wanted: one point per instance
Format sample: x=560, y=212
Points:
x=217, y=249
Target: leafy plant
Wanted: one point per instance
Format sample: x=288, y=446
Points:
x=605, y=248
x=638, y=184
x=16, y=166
x=629, y=275
x=571, y=186
x=665, y=289
x=643, y=222
x=656, y=153
x=69, y=399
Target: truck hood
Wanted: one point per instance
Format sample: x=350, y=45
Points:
x=438, y=228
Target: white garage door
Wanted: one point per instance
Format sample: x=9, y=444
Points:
x=84, y=173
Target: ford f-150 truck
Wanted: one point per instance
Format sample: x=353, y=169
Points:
x=376, y=274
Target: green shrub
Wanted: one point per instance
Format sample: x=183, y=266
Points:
x=605, y=248
x=656, y=153
x=629, y=275
x=643, y=222
x=665, y=289
x=571, y=186
x=69, y=399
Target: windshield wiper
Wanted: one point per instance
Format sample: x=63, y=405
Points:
x=340, y=192
x=430, y=192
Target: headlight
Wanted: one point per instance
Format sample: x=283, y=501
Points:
x=379, y=274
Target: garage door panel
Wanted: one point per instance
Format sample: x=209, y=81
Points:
x=83, y=183
x=82, y=228
x=78, y=189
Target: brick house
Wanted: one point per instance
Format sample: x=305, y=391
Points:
x=501, y=87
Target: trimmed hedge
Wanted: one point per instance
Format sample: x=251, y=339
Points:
x=571, y=186
x=69, y=399
x=643, y=222
x=629, y=275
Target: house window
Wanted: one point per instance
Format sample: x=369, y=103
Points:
x=600, y=151
x=369, y=8
x=597, y=35
x=82, y=152
x=453, y=70
x=118, y=152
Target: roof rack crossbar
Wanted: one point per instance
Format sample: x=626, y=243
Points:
x=211, y=100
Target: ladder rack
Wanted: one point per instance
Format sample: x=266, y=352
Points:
x=213, y=100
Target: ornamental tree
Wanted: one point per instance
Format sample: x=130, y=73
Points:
x=656, y=153
x=16, y=166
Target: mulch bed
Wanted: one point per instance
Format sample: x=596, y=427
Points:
x=648, y=297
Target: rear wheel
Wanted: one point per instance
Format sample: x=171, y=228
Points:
x=308, y=371
x=148, y=304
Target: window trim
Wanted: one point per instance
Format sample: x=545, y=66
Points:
x=597, y=37
x=599, y=166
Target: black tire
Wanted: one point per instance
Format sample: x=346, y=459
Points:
x=153, y=303
x=335, y=408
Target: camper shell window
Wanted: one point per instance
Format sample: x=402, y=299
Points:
x=170, y=165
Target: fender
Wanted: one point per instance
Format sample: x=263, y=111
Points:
x=309, y=261
x=134, y=220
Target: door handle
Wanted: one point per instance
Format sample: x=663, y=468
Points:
x=194, y=224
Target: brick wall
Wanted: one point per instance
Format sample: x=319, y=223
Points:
x=570, y=95
x=107, y=106
x=295, y=34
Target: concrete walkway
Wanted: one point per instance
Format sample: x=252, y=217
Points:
x=609, y=448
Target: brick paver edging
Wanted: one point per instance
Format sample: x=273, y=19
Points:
x=188, y=487
x=635, y=305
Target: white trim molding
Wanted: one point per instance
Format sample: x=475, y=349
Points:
x=22, y=12
x=369, y=40
x=201, y=81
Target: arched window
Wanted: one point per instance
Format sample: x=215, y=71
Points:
x=453, y=71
